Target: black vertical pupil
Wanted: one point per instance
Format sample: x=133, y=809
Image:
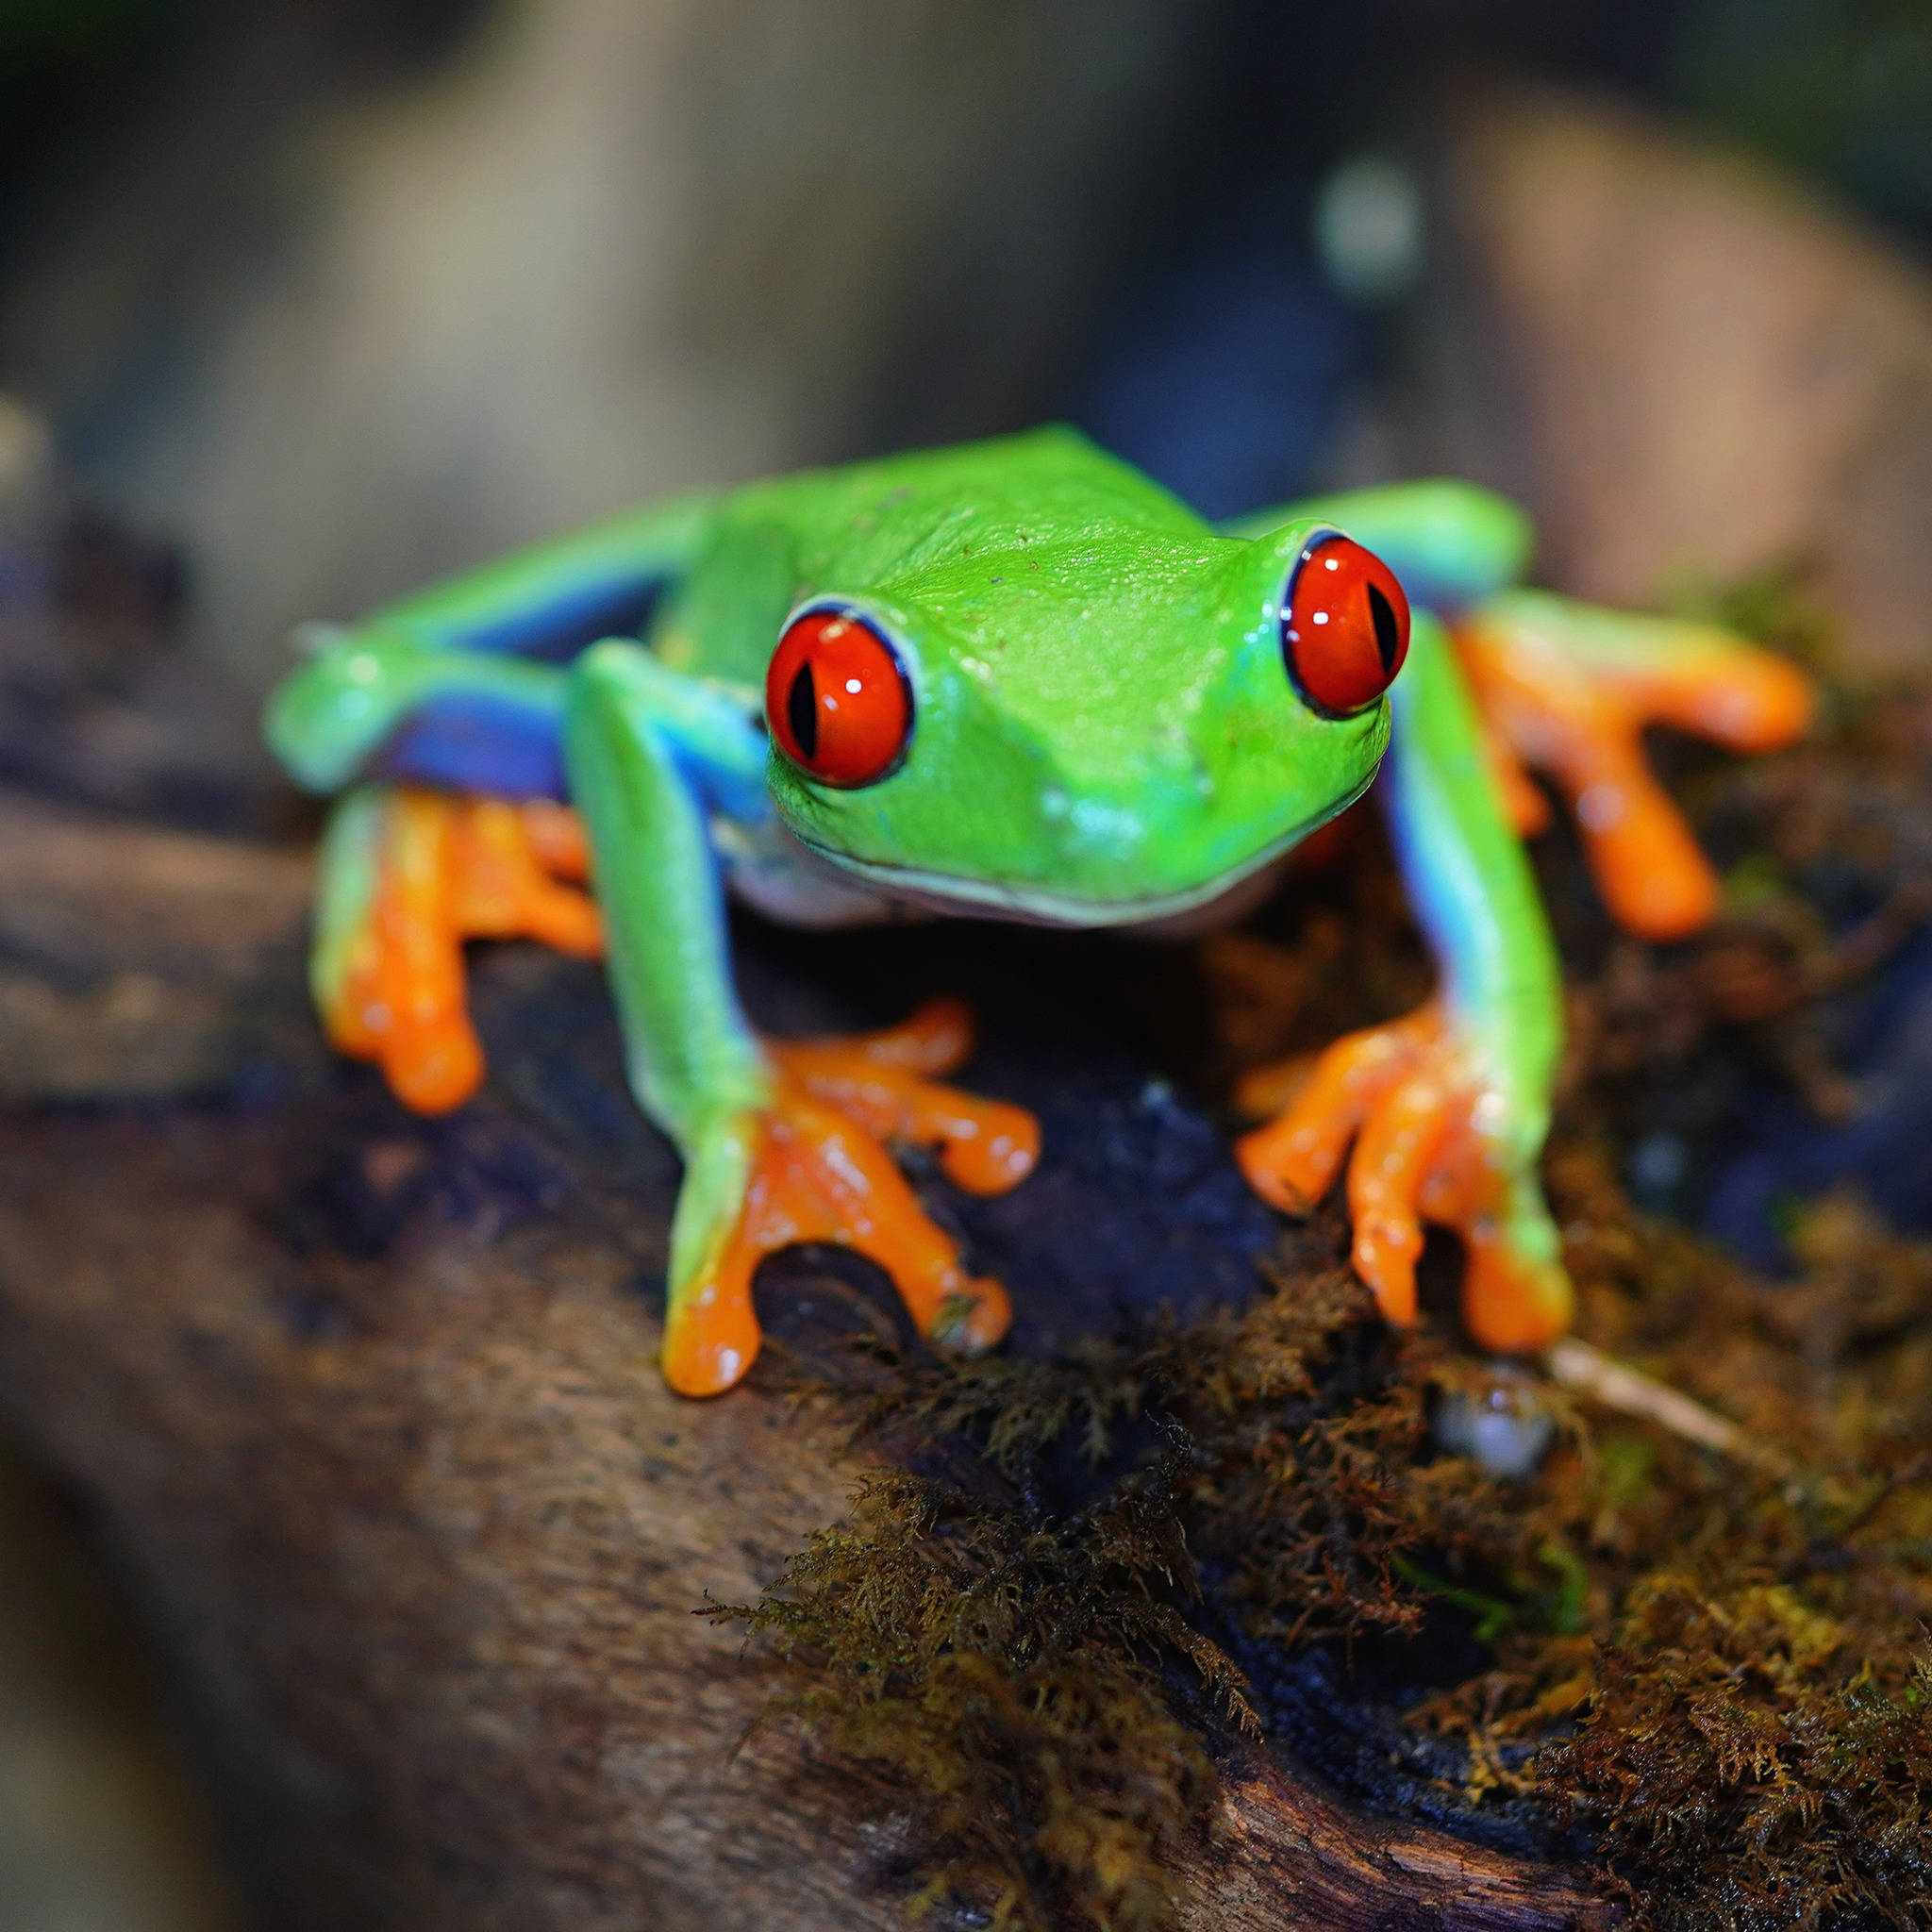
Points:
x=802, y=711
x=1388, y=635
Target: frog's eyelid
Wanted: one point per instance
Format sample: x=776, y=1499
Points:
x=882, y=627
x=889, y=633
x=1318, y=535
x=1284, y=596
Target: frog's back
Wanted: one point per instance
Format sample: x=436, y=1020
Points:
x=871, y=521
x=869, y=526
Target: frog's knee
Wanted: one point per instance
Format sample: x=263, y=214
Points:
x=325, y=718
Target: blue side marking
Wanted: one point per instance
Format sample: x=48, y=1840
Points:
x=476, y=742
x=560, y=631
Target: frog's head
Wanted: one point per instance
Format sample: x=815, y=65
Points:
x=1088, y=733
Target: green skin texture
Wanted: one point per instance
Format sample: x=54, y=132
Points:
x=1104, y=734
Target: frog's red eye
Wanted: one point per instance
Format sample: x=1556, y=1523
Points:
x=836, y=699
x=1345, y=626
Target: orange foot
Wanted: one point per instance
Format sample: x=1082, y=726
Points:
x=1569, y=689
x=1431, y=1144
x=411, y=875
x=818, y=1170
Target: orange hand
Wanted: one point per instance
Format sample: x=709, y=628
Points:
x=984, y=1145
x=820, y=1173
x=447, y=870
x=1412, y=1102
x=1569, y=689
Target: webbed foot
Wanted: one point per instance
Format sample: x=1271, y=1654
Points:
x=1432, y=1142
x=408, y=876
x=1568, y=688
x=810, y=1165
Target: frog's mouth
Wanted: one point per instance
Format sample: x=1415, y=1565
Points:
x=1226, y=893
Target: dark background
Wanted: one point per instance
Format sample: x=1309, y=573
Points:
x=221, y=224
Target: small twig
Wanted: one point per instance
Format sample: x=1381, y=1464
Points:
x=1589, y=1372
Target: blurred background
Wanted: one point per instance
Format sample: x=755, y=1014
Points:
x=302, y=301
x=321, y=296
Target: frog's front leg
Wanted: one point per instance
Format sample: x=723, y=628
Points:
x=1447, y=1108
x=782, y=1143
x=1568, y=688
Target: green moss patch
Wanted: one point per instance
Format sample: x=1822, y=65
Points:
x=1713, y=1669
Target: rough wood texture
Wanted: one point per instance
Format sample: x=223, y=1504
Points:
x=369, y=1407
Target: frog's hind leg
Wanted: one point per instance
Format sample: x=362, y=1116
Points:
x=455, y=695
x=783, y=1142
x=408, y=875
x=1568, y=688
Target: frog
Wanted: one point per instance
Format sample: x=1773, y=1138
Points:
x=1012, y=680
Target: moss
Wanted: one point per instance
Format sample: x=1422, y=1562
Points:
x=1013, y=1665
x=1008, y=1669
x=1307, y=1482
x=1709, y=1668
x=1745, y=1771
x=1714, y=1670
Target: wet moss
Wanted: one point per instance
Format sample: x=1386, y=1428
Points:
x=1746, y=1771
x=1713, y=1670
x=1706, y=1665
x=1025, y=1651
x=1012, y=1671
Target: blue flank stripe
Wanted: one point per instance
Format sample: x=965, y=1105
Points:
x=560, y=630
x=478, y=742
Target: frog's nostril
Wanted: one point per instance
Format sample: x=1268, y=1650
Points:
x=1345, y=626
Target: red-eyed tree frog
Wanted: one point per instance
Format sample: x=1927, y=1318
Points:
x=1019, y=680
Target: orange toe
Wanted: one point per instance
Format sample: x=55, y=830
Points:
x=557, y=839
x=500, y=885
x=881, y=1081
x=1405, y=1096
x=434, y=1069
x=1649, y=867
x=447, y=870
x=712, y=1333
x=1511, y=1305
x=1292, y=1161
x=1393, y=1155
x=821, y=1174
x=1720, y=688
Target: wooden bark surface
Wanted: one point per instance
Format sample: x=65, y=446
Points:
x=369, y=1408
